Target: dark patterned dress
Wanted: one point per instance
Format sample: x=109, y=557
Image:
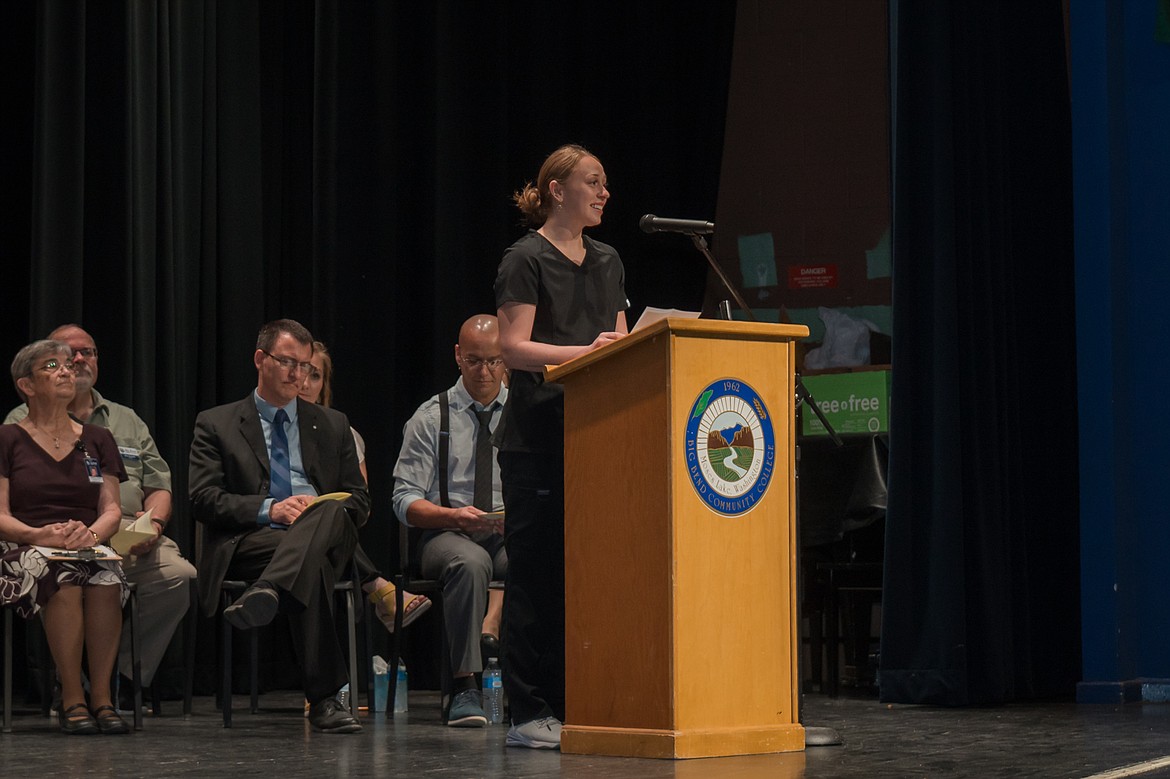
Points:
x=42, y=491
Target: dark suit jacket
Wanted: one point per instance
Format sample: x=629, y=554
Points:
x=229, y=477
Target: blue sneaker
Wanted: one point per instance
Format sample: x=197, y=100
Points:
x=466, y=710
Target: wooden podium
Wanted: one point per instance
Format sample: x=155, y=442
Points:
x=680, y=542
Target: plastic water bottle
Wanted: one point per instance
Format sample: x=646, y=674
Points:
x=493, y=692
x=400, y=689
x=343, y=696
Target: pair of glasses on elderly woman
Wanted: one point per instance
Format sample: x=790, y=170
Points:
x=52, y=366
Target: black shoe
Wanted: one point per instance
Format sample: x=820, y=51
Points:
x=109, y=722
x=330, y=716
x=77, y=721
x=256, y=607
x=489, y=646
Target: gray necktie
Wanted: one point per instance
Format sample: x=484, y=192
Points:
x=483, y=462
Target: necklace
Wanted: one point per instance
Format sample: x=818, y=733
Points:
x=56, y=439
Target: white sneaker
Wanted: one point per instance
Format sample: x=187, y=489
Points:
x=543, y=733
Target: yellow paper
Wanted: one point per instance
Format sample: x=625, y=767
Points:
x=330, y=496
x=134, y=534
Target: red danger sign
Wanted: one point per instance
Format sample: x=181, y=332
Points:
x=811, y=276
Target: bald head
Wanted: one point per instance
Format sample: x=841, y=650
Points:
x=478, y=348
x=61, y=330
x=480, y=324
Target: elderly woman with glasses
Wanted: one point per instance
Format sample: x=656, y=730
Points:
x=59, y=492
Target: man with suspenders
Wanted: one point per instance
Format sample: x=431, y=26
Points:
x=447, y=483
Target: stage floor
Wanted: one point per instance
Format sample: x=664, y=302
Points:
x=1055, y=740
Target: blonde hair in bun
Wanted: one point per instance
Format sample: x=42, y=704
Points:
x=535, y=202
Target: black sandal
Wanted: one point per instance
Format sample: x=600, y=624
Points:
x=109, y=721
x=77, y=724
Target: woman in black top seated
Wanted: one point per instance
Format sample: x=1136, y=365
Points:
x=59, y=488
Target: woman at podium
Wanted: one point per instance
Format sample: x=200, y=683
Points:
x=559, y=295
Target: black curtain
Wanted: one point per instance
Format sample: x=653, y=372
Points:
x=981, y=586
x=177, y=173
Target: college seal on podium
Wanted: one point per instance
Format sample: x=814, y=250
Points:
x=730, y=447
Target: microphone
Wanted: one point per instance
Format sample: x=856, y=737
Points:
x=660, y=224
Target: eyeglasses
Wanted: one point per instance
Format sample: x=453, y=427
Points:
x=475, y=362
x=86, y=352
x=52, y=366
x=289, y=364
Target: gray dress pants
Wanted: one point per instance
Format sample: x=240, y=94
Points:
x=465, y=567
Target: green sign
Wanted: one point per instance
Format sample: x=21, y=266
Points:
x=857, y=402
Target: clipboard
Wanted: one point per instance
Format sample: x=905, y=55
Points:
x=89, y=554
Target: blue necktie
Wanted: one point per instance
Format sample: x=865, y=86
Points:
x=281, y=473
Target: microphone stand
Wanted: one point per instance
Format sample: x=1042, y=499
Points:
x=814, y=736
x=701, y=244
x=802, y=393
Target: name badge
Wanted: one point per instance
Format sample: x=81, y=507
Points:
x=128, y=453
x=93, y=470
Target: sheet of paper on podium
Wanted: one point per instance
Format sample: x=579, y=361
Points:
x=651, y=315
x=133, y=534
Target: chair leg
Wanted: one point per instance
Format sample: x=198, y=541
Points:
x=225, y=682
x=254, y=667
x=446, y=679
x=368, y=634
x=351, y=624
x=135, y=659
x=832, y=638
x=46, y=666
x=190, y=623
x=7, y=670
x=816, y=646
x=396, y=646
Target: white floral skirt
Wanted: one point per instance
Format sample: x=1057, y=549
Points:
x=28, y=580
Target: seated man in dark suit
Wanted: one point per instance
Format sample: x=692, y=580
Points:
x=256, y=465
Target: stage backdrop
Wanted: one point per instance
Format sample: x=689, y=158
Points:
x=177, y=173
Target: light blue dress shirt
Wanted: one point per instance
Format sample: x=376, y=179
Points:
x=416, y=474
x=300, y=481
